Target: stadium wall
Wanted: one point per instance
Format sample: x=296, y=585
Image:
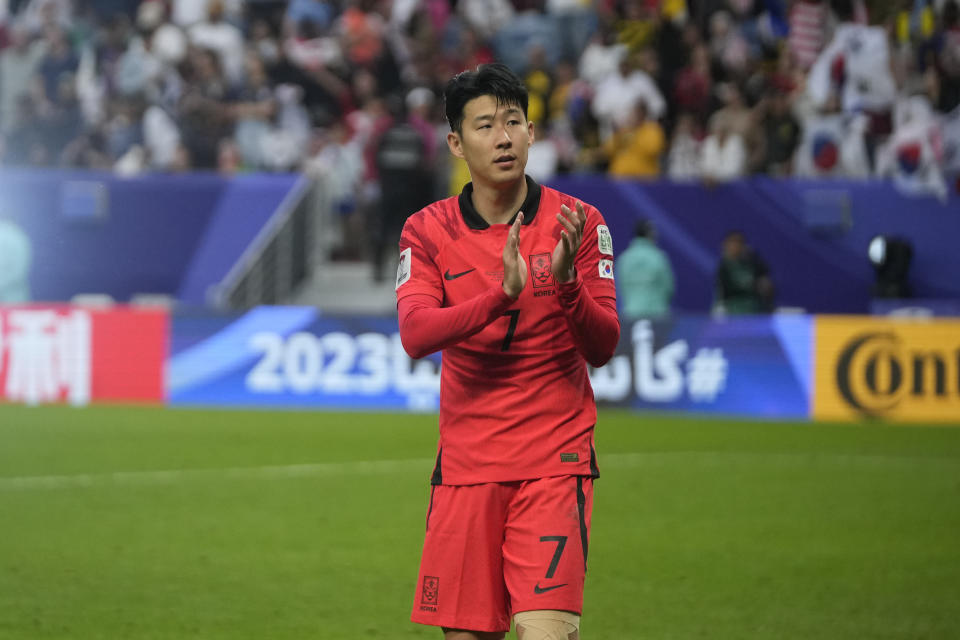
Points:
x=95, y=232
x=813, y=234
x=777, y=367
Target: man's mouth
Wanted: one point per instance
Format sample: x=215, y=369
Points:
x=504, y=159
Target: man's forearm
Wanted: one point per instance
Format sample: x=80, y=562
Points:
x=426, y=327
x=593, y=322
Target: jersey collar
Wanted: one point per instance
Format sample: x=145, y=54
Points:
x=474, y=220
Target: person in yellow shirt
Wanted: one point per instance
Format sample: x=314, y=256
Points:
x=635, y=148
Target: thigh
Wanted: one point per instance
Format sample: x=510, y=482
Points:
x=460, y=585
x=545, y=544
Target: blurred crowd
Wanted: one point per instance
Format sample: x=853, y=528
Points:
x=687, y=89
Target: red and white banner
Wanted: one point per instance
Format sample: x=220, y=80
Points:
x=77, y=355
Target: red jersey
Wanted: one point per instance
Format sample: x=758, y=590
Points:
x=515, y=399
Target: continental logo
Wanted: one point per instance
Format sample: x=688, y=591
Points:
x=884, y=369
x=875, y=371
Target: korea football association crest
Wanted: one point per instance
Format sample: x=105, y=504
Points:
x=430, y=593
x=541, y=272
x=404, y=267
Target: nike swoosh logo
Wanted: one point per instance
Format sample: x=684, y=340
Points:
x=454, y=276
x=537, y=589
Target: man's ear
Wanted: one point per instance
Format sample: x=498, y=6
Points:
x=531, y=136
x=455, y=144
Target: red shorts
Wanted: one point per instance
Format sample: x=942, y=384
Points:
x=494, y=549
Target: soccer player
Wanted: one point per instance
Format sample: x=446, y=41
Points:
x=513, y=281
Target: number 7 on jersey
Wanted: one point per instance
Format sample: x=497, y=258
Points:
x=511, y=328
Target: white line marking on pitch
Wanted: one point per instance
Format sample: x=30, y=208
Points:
x=424, y=465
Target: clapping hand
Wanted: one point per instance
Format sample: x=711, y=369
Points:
x=571, y=236
x=514, y=266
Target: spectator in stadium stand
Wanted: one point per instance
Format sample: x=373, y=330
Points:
x=318, y=12
x=576, y=21
x=403, y=154
x=203, y=119
x=947, y=57
x=336, y=158
x=808, y=31
x=253, y=108
x=15, y=257
x=618, y=92
x=684, y=157
x=677, y=37
x=59, y=60
x=781, y=131
x=856, y=66
x=729, y=50
x=514, y=283
x=486, y=17
x=635, y=148
x=18, y=64
x=743, y=122
x=187, y=13
x=693, y=88
x=645, y=279
x=221, y=37
x=39, y=15
x=470, y=52
x=264, y=41
x=637, y=24
x=24, y=143
x=539, y=80
x=602, y=55
x=562, y=90
x=723, y=153
x=361, y=30
x=413, y=44
x=742, y=283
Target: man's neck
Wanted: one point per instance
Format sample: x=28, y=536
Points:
x=497, y=205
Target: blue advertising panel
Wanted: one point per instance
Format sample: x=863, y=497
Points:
x=758, y=365
x=296, y=357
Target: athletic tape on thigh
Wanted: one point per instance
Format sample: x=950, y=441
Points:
x=547, y=624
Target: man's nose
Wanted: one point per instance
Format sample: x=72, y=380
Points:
x=503, y=138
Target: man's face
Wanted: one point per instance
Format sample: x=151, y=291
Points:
x=494, y=141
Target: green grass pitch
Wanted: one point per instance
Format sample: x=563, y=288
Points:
x=149, y=523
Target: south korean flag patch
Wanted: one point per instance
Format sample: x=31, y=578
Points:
x=606, y=269
x=404, y=267
x=604, y=240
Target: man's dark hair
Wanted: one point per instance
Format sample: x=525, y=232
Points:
x=492, y=79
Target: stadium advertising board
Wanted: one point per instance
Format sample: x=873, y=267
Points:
x=893, y=369
x=78, y=355
x=296, y=357
x=745, y=365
